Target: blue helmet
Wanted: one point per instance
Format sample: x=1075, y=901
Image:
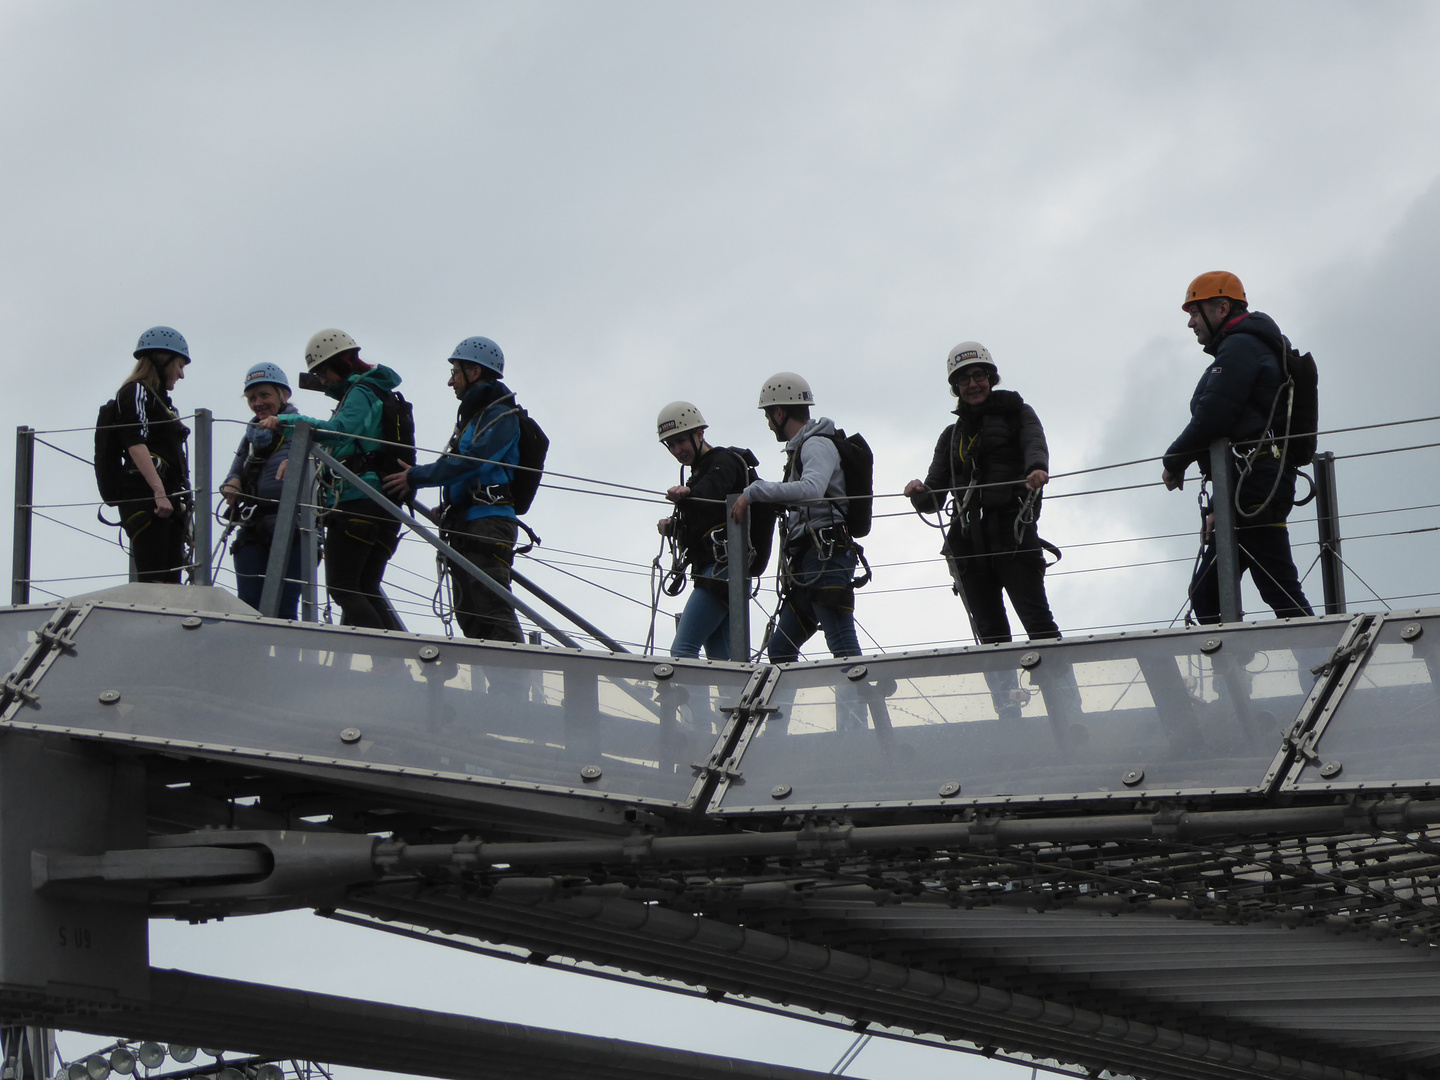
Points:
x=482, y=351
x=266, y=373
x=163, y=338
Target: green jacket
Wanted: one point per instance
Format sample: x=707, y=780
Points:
x=357, y=413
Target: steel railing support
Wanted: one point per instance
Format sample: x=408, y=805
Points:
x=309, y=542
x=301, y=437
x=1327, y=519
x=24, y=522
x=484, y=579
x=1227, y=550
x=737, y=553
x=203, y=572
x=575, y=617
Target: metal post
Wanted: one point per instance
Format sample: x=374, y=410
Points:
x=1227, y=550
x=300, y=441
x=24, y=499
x=737, y=550
x=1327, y=518
x=203, y=572
x=309, y=543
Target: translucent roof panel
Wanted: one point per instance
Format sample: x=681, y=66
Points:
x=1385, y=730
x=1162, y=713
x=17, y=634
x=590, y=724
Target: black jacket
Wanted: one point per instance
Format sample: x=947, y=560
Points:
x=151, y=419
x=718, y=472
x=1233, y=400
x=1001, y=440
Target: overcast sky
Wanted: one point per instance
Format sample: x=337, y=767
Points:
x=642, y=202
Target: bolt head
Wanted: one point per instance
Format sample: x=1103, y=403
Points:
x=949, y=789
x=590, y=772
x=1133, y=777
x=780, y=791
x=856, y=673
x=109, y=697
x=1210, y=645
x=1331, y=769
x=350, y=735
x=1030, y=659
x=429, y=652
x=193, y=622
x=1411, y=631
x=664, y=671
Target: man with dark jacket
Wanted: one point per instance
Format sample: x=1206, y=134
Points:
x=1236, y=399
x=993, y=461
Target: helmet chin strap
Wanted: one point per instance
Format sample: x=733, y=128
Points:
x=1205, y=317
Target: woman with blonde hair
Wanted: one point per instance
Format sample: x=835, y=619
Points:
x=155, y=487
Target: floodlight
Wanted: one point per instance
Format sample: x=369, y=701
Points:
x=76, y=1071
x=122, y=1060
x=182, y=1053
x=270, y=1071
x=229, y=1074
x=96, y=1067
x=212, y=1053
x=152, y=1054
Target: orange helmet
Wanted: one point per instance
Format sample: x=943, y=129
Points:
x=1213, y=286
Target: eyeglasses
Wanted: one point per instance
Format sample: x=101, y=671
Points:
x=960, y=378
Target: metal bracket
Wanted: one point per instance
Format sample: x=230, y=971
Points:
x=1299, y=746
x=53, y=639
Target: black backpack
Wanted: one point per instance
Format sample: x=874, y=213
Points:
x=1296, y=419
x=534, y=445
x=109, y=453
x=858, y=463
x=397, y=426
x=762, y=517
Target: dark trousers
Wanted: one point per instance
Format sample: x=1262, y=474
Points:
x=1265, y=552
x=986, y=580
x=156, y=544
x=489, y=543
x=357, y=549
x=251, y=562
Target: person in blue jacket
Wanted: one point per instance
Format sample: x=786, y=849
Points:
x=474, y=475
x=252, y=490
x=1235, y=399
x=359, y=536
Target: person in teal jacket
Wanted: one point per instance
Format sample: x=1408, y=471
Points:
x=359, y=538
x=474, y=476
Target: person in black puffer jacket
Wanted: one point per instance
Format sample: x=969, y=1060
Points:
x=992, y=458
x=1234, y=399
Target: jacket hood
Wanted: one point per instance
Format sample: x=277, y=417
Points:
x=822, y=425
x=379, y=375
x=1257, y=324
x=479, y=397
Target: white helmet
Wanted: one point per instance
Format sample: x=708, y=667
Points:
x=969, y=354
x=325, y=344
x=785, y=388
x=677, y=418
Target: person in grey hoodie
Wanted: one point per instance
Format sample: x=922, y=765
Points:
x=818, y=566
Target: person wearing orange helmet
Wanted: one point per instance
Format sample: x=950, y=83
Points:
x=1235, y=399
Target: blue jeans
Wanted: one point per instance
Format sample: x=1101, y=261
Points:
x=250, y=563
x=705, y=621
x=818, y=595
